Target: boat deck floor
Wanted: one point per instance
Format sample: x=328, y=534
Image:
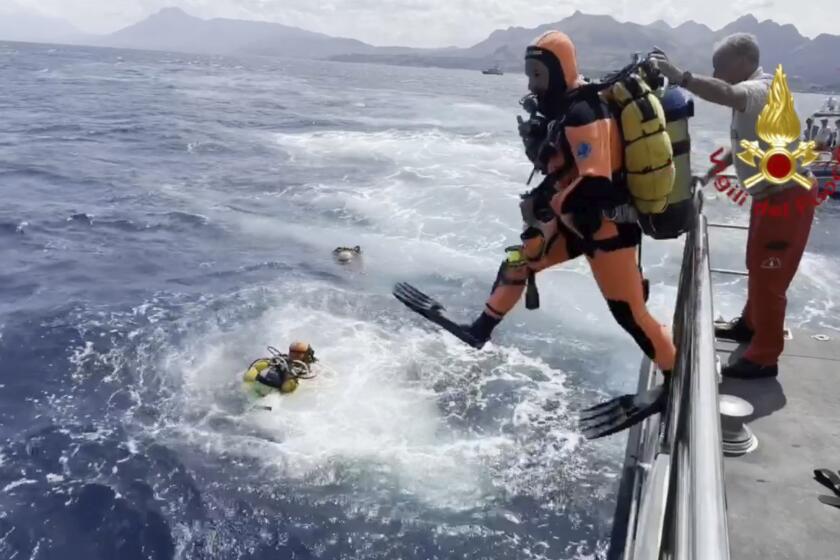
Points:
x=771, y=496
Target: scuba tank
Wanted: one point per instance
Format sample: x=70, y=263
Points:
x=250, y=381
x=676, y=218
x=653, y=120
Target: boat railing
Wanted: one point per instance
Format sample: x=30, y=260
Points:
x=671, y=501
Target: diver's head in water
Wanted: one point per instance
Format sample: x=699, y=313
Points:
x=302, y=351
x=346, y=255
x=736, y=58
x=551, y=67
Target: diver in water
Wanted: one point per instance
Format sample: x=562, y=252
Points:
x=280, y=372
x=567, y=218
x=346, y=255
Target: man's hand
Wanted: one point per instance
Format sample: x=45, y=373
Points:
x=660, y=61
x=711, y=89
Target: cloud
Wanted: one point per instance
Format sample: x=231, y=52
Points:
x=748, y=5
x=431, y=23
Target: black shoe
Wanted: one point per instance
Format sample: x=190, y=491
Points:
x=735, y=330
x=745, y=369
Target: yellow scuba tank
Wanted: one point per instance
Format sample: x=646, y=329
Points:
x=256, y=368
x=249, y=379
x=648, y=156
x=657, y=153
x=289, y=386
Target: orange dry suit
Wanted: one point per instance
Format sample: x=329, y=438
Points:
x=583, y=183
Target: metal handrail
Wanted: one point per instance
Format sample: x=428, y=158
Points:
x=730, y=271
x=676, y=495
x=726, y=226
x=709, y=536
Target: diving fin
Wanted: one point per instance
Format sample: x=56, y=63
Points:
x=830, y=500
x=422, y=304
x=622, y=412
x=829, y=479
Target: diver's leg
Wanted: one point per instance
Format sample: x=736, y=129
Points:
x=617, y=272
x=534, y=255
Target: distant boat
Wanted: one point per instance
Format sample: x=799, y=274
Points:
x=825, y=131
x=494, y=71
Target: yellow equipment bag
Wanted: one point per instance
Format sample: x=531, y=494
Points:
x=648, y=154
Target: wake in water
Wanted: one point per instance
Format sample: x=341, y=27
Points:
x=407, y=421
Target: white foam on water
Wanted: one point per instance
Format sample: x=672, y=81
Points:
x=816, y=285
x=377, y=410
x=20, y=482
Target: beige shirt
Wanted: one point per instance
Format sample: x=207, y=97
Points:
x=757, y=90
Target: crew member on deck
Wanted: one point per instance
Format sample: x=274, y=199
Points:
x=776, y=241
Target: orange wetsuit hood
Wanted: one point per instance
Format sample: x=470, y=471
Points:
x=556, y=52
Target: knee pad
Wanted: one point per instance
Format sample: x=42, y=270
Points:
x=624, y=316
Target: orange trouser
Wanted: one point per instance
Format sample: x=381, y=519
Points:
x=779, y=229
x=616, y=271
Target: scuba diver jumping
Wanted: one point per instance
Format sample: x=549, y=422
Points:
x=609, y=167
x=280, y=372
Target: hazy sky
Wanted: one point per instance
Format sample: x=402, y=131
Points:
x=439, y=22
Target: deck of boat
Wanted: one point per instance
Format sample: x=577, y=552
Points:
x=772, y=506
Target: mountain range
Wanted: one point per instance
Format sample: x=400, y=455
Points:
x=20, y=24
x=603, y=43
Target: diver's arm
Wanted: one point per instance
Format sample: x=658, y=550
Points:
x=581, y=204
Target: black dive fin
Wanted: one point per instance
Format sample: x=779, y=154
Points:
x=422, y=304
x=622, y=412
x=829, y=479
x=830, y=500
